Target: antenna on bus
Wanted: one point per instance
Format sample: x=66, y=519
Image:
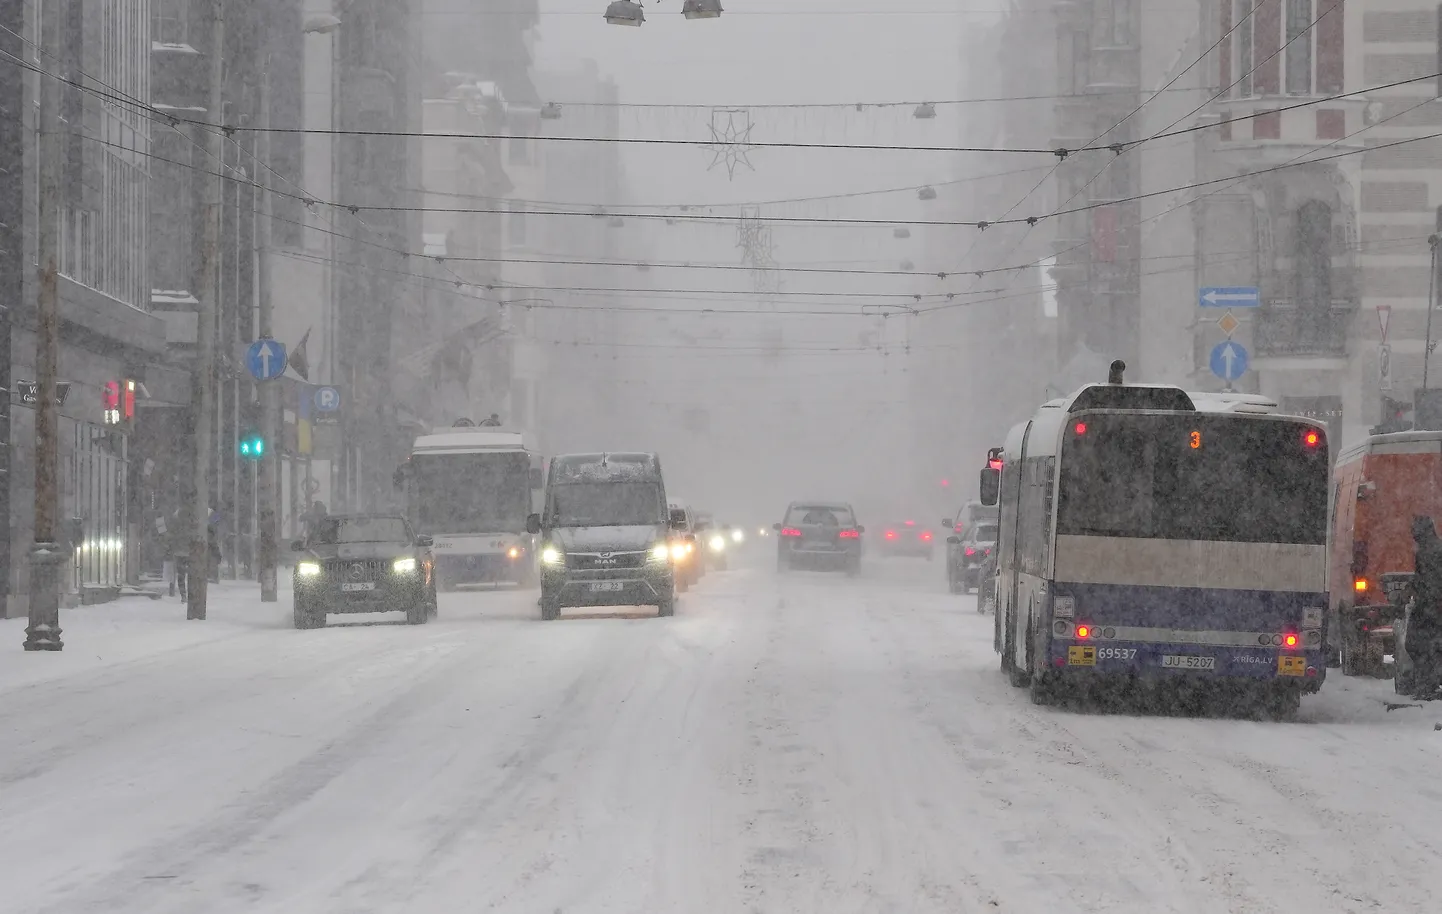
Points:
x=1115, y=375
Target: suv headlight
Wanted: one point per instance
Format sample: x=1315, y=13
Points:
x=660, y=552
x=404, y=566
x=550, y=555
x=307, y=569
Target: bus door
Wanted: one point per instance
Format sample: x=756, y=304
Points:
x=1009, y=548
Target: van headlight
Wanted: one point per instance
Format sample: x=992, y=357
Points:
x=404, y=566
x=660, y=552
x=550, y=555
x=307, y=569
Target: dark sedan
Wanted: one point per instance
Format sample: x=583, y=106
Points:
x=819, y=535
x=907, y=538
x=364, y=563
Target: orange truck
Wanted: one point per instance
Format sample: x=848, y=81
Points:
x=1379, y=484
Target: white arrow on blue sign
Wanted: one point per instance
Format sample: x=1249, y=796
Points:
x=265, y=360
x=1229, y=360
x=327, y=399
x=1229, y=297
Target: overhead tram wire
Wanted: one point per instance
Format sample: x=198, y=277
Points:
x=1233, y=180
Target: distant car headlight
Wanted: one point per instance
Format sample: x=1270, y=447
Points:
x=550, y=555
x=307, y=569
x=718, y=543
x=404, y=566
x=737, y=536
x=660, y=552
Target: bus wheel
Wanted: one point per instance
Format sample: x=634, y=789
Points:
x=1018, y=675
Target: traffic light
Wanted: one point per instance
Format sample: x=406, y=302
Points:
x=251, y=445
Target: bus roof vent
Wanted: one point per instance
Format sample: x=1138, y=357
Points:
x=1114, y=376
x=1131, y=396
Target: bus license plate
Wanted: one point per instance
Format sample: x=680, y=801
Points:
x=1292, y=666
x=1081, y=655
x=607, y=587
x=1188, y=662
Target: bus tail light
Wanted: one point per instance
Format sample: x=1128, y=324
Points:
x=1290, y=640
x=926, y=536
x=1083, y=632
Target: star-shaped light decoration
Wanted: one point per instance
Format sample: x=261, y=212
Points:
x=730, y=138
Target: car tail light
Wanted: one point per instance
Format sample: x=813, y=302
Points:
x=926, y=536
x=891, y=534
x=850, y=535
x=911, y=523
x=970, y=551
x=790, y=531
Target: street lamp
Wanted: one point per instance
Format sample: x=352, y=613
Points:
x=701, y=9
x=625, y=12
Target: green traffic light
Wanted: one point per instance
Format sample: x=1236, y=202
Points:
x=252, y=447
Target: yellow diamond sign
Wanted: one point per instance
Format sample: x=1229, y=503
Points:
x=1228, y=323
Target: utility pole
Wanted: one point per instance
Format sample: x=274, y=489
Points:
x=198, y=577
x=1432, y=241
x=266, y=488
x=43, y=631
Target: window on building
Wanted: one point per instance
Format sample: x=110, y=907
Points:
x=1292, y=50
x=1297, y=52
x=516, y=224
x=1243, y=36
x=1312, y=257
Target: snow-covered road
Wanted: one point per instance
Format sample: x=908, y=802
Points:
x=796, y=744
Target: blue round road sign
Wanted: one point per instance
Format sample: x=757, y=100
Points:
x=265, y=360
x=1229, y=360
x=327, y=399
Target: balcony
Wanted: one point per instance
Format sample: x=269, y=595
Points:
x=1261, y=131
x=1283, y=330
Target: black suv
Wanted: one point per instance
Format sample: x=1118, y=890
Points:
x=819, y=534
x=363, y=563
x=606, y=534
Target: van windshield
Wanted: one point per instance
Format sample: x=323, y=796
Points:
x=607, y=504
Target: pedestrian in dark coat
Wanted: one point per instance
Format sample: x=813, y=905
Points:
x=1424, y=623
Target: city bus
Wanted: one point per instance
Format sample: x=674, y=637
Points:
x=471, y=488
x=1150, y=537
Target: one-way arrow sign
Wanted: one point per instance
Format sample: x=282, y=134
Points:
x=1229, y=297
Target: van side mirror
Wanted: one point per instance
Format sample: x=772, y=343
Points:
x=953, y=540
x=946, y=522
x=990, y=486
x=533, y=524
x=425, y=540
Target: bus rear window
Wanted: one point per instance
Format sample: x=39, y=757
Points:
x=1209, y=478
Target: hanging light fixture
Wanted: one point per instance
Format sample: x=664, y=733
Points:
x=908, y=266
x=625, y=12
x=926, y=193
x=598, y=213
x=924, y=111
x=550, y=111
x=615, y=222
x=701, y=9
x=902, y=232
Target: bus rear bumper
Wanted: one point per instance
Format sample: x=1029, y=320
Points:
x=1187, y=662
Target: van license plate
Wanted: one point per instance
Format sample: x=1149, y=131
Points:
x=1292, y=666
x=607, y=587
x=1188, y=662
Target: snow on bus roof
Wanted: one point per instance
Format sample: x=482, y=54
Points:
x=467, y=440
x=1210, y=402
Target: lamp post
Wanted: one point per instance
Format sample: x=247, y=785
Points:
x=1432, y=241
x=629, y=12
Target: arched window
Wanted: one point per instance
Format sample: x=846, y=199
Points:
x=1312, y=257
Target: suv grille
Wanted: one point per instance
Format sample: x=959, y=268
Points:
x=601, y=561
x=343, y=570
